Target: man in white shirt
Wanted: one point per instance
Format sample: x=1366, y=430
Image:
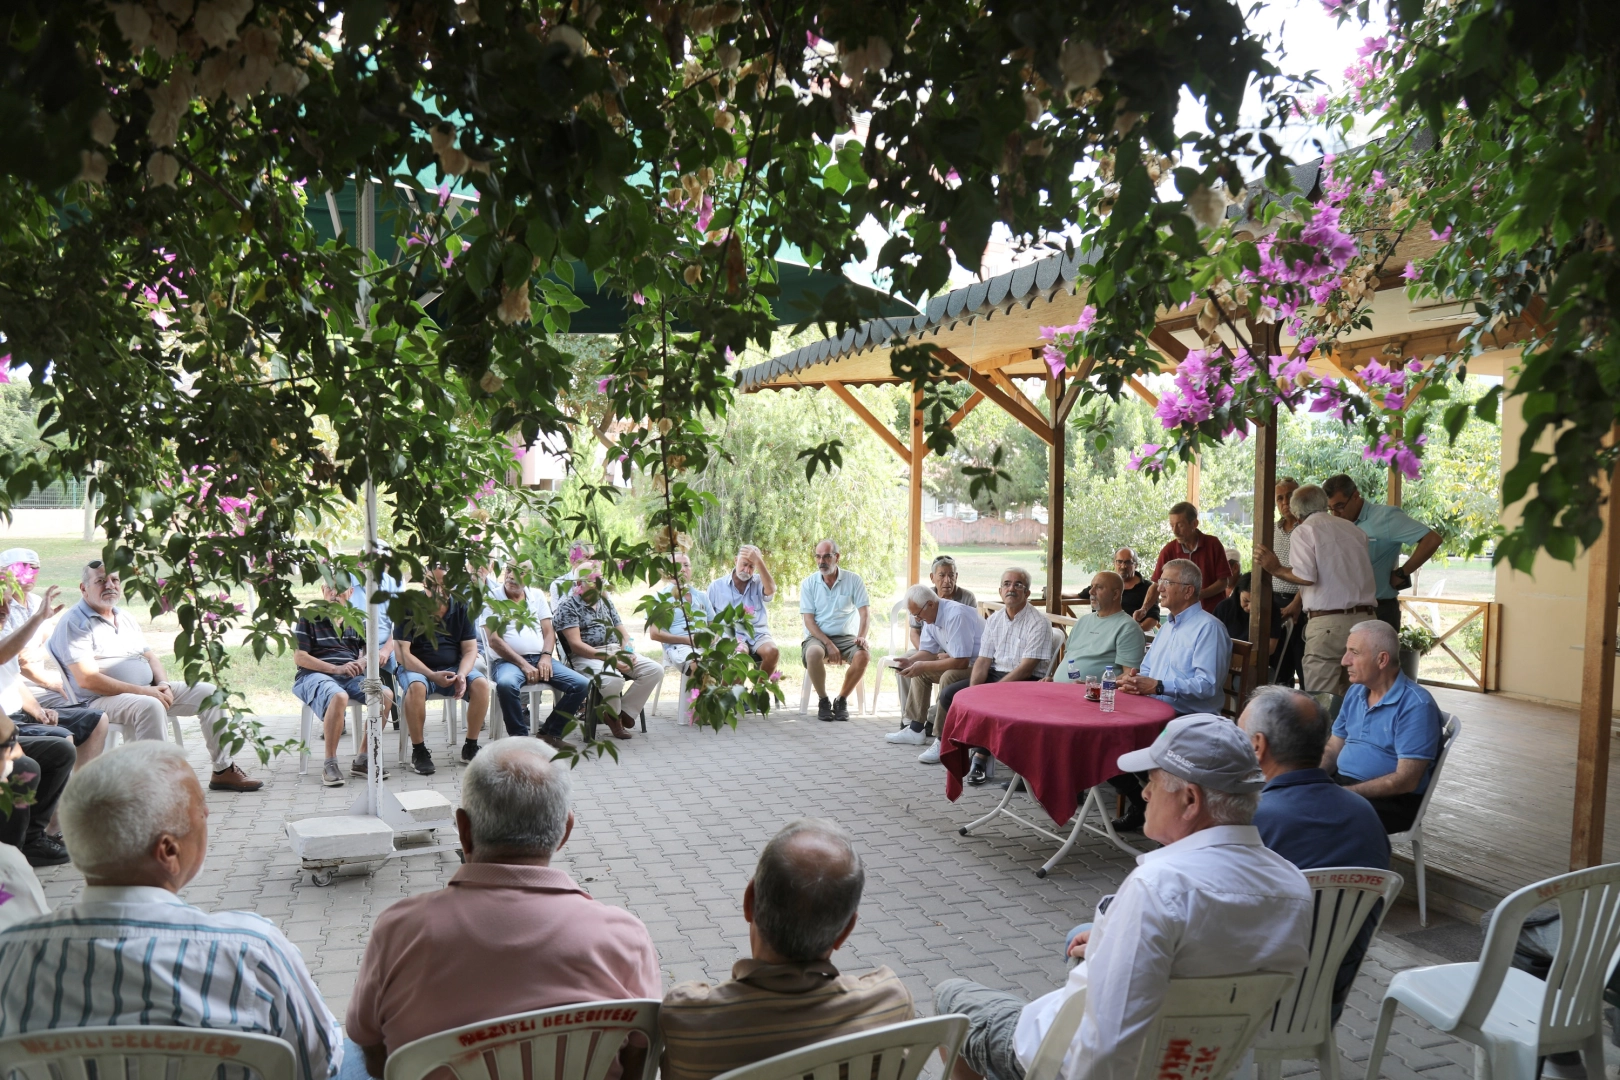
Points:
x=1213, y=901
x=948, y=644
x=1016, y=645
x=1329, y=561
x=523, y=658
x=130, y=952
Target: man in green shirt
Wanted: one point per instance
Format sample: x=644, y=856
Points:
x=1106, y=636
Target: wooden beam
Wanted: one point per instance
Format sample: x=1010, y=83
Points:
x=1008, y=387
x=1392, y=490
x=878, y=427
x=919, y=450
x=1168, y=344
x=1143, y=392
x=1333, y=361
x=1597, y=686
x=984, y=385
x=1054, y=499
x=967, y=406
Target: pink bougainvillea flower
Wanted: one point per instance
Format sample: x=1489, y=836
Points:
x=1056, y=361
x=1411, y=273
x=1442, y=237
x=705, y=212
x=776, y=676
x=692, y=696
x=638, y=298
x=1137, y=459
x=5, y=368
x=1320, y=106
x=603, y=383
x=514, y=444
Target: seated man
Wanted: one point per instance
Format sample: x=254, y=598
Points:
x=942, y=575
x=1387, y=734
x=1016, y=645
x=677, y=640
x=20, y=895
x=597, y=638
x=1105, y=635
x=46, y=749
x=432, y=963
x=523, y=658
x=137, y=827
x=44, y=682
x=949, y=644
x=439, y=661
x=107, y=666
x=751, y=585
x=331, y=673
x=1214, y=901
x=836, y=611
x=801, y=907
x=1304, y=816
x=1234, y=614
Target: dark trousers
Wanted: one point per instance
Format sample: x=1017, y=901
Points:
x=1390, y=611
x=1291, y=665
x=1395, y=812
x=948, y=693
x=1130, y=786
x=42, y=772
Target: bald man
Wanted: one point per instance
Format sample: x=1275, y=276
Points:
x=1106, y=635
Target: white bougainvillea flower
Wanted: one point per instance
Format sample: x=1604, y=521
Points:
x=169, y=103
x=1208, y=206
x=491, y=382
x=692, y=274
x=729, y=56
x=103, y=128
x=216, y=21
x=287, y=79
x=92, y=166
x=514, y=307
x=570, y=37
x=178, y=11
x=134, y=23
x=872, y=55
x=162, y=169
x=1082, y=64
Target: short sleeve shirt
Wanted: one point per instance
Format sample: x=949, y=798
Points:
x=1097, y=641
x=1009, y=642
x=321, y=639
x=723, y=593
x=955, y=631
x=836, y=607
x=1388, y=529
x=114, y=642
x=1207, y=554
x=1404, y=724
x=440, y=650
x=596, y=622
x=962, y=596
x=525, y=640
x=695, y=598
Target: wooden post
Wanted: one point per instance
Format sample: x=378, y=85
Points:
x=1194, y=468
x=1597, y=688
x=1260, y=598
x=1393, y=496
x=919, y=450
x=1054, y=500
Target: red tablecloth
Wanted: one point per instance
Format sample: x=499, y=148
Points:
x=1048, y=733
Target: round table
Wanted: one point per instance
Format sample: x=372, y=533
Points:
x=1049, y=734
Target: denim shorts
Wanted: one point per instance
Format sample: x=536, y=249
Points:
x=317, y=689
x=409, y=678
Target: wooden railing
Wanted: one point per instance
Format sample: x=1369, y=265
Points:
x=1485, y=613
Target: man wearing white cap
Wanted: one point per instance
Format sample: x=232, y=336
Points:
x=43, y=683
x=1213, y=901
x=38, y=712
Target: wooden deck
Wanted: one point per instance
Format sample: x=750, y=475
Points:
x=1502, y=816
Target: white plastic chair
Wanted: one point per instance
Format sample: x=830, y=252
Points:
x=899, y=625
x=860, y=692
x=896, y=1052
x=1301, y=1027
x=681, y=714
x=1512, y=1017
x=1203, y=1028
x=574, y=1042
x=194, y=1053
x=306, y=729
x=1450, y=728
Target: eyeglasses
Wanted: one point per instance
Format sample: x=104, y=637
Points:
x=1014, y=585
x=1173, y=581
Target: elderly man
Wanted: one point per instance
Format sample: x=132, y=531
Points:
x=1387, y=734
x=331, y=672
x=20, y=894
x=599, y=645
x=677, y=640
x=130, y=951
x=438, y=660
x=523, y=658
x=44, y=684
x=836, y=613
x=942, y=575
x=1194, y=546
x=1335, y=576
x=1134, y=589
x=1016, y=645
x=751, y=586
x=801, y=907
x=950, y=641
x=1388, y=529
x=45, y=750
x=1105, y=635
x=1213, y=901
x=432, y=963
x=108, y=666
x=1286, y=594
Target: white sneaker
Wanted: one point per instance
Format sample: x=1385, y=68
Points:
x=930, y=756
x=906, y=737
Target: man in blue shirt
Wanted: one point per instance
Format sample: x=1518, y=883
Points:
x=1388, y=732
x=750, y=585
x=1388, y=529
x=836, y=612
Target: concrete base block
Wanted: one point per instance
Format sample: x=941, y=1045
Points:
x=344, y=837
x=426, y=806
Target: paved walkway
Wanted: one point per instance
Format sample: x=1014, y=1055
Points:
x=672, y=833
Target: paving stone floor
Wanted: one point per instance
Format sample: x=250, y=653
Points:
x=672, y=832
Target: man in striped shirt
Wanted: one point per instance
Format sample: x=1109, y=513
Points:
x=131, y=952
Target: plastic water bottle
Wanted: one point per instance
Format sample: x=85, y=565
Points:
x=1110, y=680
x=1074, y=671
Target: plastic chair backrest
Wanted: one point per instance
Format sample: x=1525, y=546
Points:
x=1588, y=941
x=896, y=1052
x=574, y=1042
x=1343, y=899
x=899, y=624
x=1060, y=645
x=1450, y=729
x=193, y=1053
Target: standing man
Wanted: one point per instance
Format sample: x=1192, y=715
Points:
x=331, y=672
x=751, y=585
x=1335, y=577
x=438, y=660
x=836, y=615
x=950, y=641
x=1016, y=645
x=108, y=666
x=523, y=658
x=943, y=576
x=1285, y=594
x=1388, y=529
x=1200, y=549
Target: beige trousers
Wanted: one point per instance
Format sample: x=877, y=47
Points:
x=920, y=692
x=146, y=716
x=1325, y=640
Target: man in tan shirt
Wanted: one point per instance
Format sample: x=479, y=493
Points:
x=800, y=906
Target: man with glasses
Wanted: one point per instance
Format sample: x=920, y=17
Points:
x=950, y=642
x=1016, y=646
x=107, y=665
x=1134, y=589
x=1388, y=529
x=1197, y=547
x=943, y=577
x=836, y=613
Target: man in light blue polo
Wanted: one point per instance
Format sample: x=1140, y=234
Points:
x=836, y=613
x=750, y=584
x=1388, y=529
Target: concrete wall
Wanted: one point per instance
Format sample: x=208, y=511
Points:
x=41, y=524
x=1544, y=612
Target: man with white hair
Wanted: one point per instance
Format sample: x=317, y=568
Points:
x=949, y=642
x=836, y=613
x=107, y=665
x=130, y=951
x=1212, y=902
x=510, y=934
x=1016, y=645
x=1387, y=734
x=750, y=586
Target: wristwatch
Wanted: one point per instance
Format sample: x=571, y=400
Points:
x=1158, y=687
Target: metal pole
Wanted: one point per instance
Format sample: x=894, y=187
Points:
x=373, y=671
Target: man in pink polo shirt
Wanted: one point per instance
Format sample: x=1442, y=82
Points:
x=510, y=934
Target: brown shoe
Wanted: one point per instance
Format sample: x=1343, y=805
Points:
x=233, y=779
x=616, y=726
